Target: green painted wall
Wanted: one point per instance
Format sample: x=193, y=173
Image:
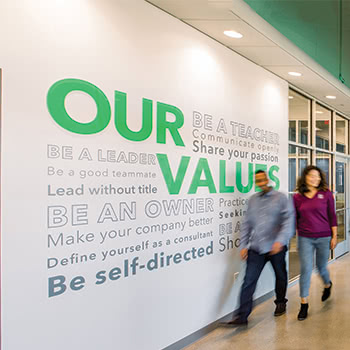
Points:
x=320, y=28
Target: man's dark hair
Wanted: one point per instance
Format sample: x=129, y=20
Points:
x=260, y=172
x=301, y=185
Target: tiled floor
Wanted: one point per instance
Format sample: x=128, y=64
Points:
x=326, y=328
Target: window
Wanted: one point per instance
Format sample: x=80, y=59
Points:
x=340, y=195
x=292, y=131
x=323, y=127
x=324, y=161
x=341, y=134
x=299, y=118
x=329, y=150
x=299, y=158
x=341, y=225
x=303, y=132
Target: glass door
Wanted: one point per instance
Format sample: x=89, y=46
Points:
x=299, y=158
x=341, y=205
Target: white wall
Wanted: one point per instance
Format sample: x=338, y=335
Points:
x=135, y=48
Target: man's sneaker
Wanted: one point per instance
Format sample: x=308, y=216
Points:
x=327, y=292
x=237, y=322
x=280, y=309
x=303, y=312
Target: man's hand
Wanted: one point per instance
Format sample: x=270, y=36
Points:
x=276, y=248
x=334, y=242
x=244, y=254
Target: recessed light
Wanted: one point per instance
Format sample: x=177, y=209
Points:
x=233, y=34
x=331, y=97
x=295, y=74
x=290, y=97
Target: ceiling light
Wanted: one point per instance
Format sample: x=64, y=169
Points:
x=290, y=97
x=331, y=97
x=295, y=74
x=233, y=34
x=319, y=112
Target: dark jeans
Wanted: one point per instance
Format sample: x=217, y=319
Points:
x=255, y=265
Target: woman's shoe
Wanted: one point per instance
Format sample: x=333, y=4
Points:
x=303, y=312
x=327, y=292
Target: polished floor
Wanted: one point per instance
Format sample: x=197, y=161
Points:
x=326, y=328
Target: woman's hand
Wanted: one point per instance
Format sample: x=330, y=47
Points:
x=334, y=242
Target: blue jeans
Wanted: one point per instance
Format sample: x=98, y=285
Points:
x=255, y=265
x=307, y=247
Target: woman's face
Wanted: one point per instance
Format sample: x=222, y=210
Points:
x=313, y=178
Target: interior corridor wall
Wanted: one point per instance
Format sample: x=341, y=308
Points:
x=129, y=142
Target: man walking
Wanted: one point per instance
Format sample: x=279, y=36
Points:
x=266, y=230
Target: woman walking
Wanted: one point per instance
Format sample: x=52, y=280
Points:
x=317, y=231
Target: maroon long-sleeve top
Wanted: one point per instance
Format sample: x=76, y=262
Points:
x=315, y=216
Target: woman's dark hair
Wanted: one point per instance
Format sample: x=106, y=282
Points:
x=301, y=184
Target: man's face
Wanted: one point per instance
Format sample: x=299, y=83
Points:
x=262, y=181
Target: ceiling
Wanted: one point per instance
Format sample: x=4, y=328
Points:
x=261, y=43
